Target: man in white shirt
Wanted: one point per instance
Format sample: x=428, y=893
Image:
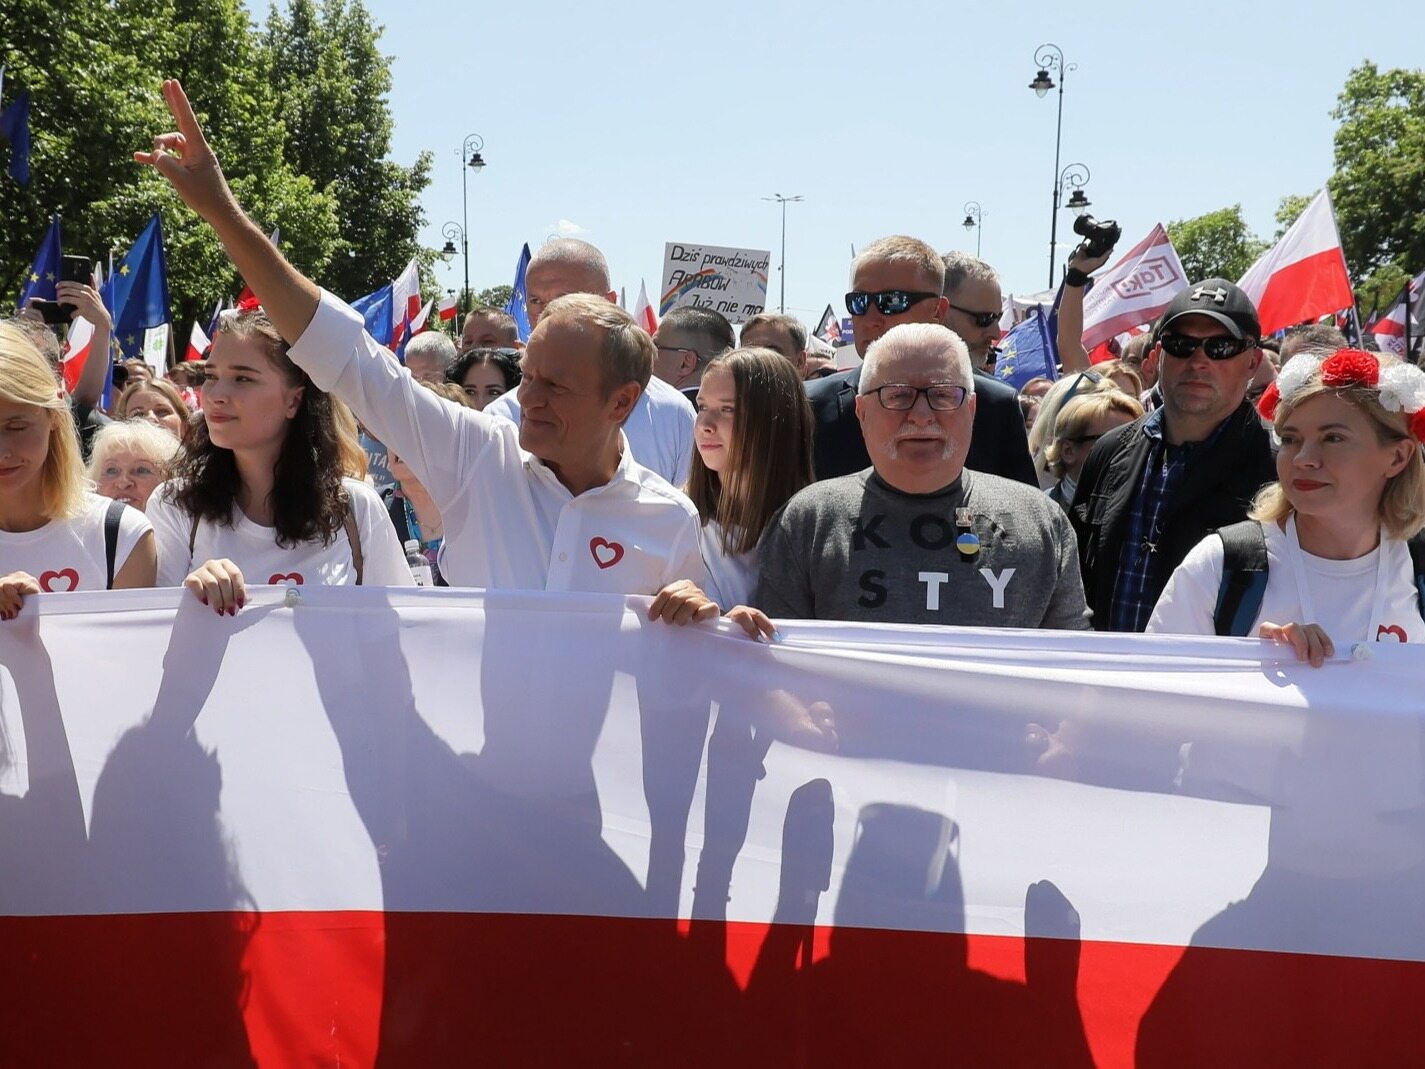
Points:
x=660, y=427
x=558, y=504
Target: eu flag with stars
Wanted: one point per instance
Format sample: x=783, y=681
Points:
x=1027, y=352
x=516, y=306
x=140, y=290
x=44, y=272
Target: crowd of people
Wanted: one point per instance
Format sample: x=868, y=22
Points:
x=1207, y=481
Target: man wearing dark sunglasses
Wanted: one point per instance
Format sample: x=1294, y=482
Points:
x=1155, y=488
x=902, y=280
x=974, y=306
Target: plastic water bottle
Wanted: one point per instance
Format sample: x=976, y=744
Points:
x=419, y=565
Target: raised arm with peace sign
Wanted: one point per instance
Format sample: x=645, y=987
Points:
x=184, y=158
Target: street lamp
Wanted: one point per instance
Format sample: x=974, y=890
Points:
x=784, y=201
x=470, y=160
x=1051, y=57
x=974, y=220
x=453, y=232
x=1075, y=175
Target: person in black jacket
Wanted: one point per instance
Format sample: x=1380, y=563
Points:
x=1153, y=489
x=901, y=280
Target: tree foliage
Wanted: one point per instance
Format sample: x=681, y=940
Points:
x=1215, y=245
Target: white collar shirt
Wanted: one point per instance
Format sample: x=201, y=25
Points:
x=509, y=522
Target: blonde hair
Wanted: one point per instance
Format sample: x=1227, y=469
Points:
x=1080, y=384
x=1402, y=504
x=134, y=436
x=164, y=389
x=450, y=391
x=1079, y=414
x=899, y=248
x=26, y=378
x=354, y=464
x=627, y=353
x=1110, y=368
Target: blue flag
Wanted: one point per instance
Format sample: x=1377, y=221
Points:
x=516, y=306
x=375, y=308
x=1026, y=352
x=44, y=272
x=140, y=290
x=15, y=128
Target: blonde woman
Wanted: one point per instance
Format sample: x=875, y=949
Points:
x=156, y=401
x=129, y=460
x=1079, y=424
x=1060, y=394
x=1327, y=557
x=54, y=534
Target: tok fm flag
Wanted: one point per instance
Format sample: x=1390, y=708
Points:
x=44, y=272
x=15, y=128
x=517, y=305
x=1304, y=275
x=446, y=308
x=1390, y=329
x=1027, y=352
x=643, y=310
x=140, y=290
x=1135, y=290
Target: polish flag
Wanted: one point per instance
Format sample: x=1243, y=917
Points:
x=643, y=311
x=1303, y=276
x=78, y=347
x=1135, y=290
x=446, y=308
x=198, y=343
x=422, y=319
x=405, y=302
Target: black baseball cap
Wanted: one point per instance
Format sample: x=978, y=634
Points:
x=1217, y=299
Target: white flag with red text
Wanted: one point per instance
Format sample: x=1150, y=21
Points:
x=1134, y=290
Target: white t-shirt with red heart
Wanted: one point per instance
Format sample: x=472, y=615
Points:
x=69, y=554
x=254, y=549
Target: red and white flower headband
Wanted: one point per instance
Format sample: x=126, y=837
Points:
x=1401, y=386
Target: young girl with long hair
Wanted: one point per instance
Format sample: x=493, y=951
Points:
x=258, y=494
x=55, y=535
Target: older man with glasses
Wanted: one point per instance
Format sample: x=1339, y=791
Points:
x=901, y=280
x=1153, y=489
x=919, y=537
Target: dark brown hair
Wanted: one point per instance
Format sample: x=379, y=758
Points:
x=308, y=500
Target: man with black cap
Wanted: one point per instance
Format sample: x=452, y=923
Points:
x=1154, y=488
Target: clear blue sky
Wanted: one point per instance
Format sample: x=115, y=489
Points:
x=635, y=124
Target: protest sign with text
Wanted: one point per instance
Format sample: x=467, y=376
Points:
x=732, y=282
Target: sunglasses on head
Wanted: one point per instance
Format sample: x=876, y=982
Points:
x=1220, y=347
x=980, y=319
x=888, y=302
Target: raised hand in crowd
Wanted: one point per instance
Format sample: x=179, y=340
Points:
x=1072, y=354
x=88, y=305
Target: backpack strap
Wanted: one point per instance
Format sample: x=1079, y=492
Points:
x=353, y=535
x=1244, y=578
x=113, y=517
x=1416, y=546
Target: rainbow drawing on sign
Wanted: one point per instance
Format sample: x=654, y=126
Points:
x=689, y=283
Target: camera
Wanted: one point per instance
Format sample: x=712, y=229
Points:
x=1098, y=237
x=121, y=376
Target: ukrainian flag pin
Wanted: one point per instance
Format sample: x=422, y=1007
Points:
x=968, y=544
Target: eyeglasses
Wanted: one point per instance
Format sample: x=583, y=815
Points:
x=888, y=302
x=677, y=349
x=1219, y=347
x=941, y=396
x=980, y=319
x=484, y=350
x=1082, y=377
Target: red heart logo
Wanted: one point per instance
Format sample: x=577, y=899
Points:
x=1396, y=632
x=606, y=553
x=48, y=578
x=293, y=577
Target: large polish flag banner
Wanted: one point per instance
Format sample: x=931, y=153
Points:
x=1135, y=290
x=1303, y=276
x=367, y=827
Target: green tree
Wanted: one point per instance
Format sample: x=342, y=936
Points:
x=494, y=297
x=1379, y=184
x=331, y=85
x=1215, y=245
x=1289, y=210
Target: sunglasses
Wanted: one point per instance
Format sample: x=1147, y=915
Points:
x=888, y=302
x=980, y=319
x=1221, y=347
x=942, y=396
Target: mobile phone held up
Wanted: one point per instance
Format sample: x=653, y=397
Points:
x=71, y=269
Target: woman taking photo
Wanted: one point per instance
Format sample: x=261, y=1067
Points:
x=753, y=452
x=1324, y=561
x=54, y=534
x=258, y=494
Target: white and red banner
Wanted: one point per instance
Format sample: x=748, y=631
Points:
x=643, y=313
x=405, y=303
x=447, y=307
x=198, y=343
x=444, y=828
x=1390, y=328
x=1303, y=276
x=1135, y=290
x=78, y=345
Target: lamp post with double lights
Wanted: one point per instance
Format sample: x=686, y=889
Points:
x=470, y=160
x=784, y=201
x=975, y=220
x=1051, y=57
x=453, y=231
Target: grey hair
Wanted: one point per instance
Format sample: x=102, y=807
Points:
x=902, y=249
x=960, y=266
x=573, y=251
x=433, y=343
x=935, y=337
x=134, y=436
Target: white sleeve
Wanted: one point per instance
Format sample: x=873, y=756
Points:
x=133, y=525
x=170, y=532
x=1189, y=601
x=383, y=557
x=437, y=438
x=685, y=559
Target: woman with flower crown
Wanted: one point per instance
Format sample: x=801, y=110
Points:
x=1337, y=524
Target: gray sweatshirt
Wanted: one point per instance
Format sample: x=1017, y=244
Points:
x=854, y=548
